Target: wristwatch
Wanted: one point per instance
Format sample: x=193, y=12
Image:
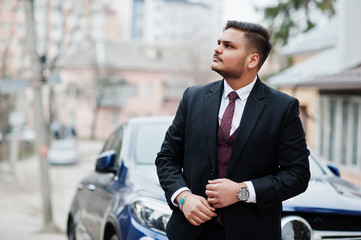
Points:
x=243, y=193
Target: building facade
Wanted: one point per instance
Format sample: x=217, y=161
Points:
x=134, y=80
x=110, y=86
x=326, y=79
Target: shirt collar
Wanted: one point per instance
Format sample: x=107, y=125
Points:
x=243, y=93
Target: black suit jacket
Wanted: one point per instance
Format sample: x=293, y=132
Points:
x=270, y=150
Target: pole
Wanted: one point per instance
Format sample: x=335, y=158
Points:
x=40, y=143
x=15, y=137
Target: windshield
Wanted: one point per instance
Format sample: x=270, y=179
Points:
x=150, y=136
x=148, y=141
x=316, y=168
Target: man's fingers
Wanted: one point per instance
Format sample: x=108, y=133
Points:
x=210, y=193
x=210, y=187
x=208, y=207
x=214, y=181
x=197, y=217
x=200, y=217
x=212, y=200
x=197, y=210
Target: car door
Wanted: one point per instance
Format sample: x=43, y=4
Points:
x=101, y=192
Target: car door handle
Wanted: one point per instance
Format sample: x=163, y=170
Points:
x=91, y=187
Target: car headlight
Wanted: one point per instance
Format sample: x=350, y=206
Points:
x=294, y=227
x=151, y=213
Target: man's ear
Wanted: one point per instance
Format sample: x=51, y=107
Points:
x=253, y=60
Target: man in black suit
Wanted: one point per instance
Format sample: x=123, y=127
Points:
x=236, y=148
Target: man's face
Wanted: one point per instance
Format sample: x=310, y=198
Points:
x=230, y=56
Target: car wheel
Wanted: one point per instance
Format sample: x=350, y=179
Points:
x=295, y=227
x=71, y=230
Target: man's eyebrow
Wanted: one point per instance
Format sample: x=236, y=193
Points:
x=225, y=41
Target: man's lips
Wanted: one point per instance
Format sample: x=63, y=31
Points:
x=216, y=58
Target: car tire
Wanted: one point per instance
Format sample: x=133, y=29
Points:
x=71, y=230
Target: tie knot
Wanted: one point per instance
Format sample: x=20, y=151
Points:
x=232, y=95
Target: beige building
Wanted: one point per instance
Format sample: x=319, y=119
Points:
x=103, y=86
x=326, y=79
x=94, y=80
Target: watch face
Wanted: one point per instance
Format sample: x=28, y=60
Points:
x=243, y=194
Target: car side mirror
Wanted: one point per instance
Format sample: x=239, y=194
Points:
x=334, y=169
x=106, y=162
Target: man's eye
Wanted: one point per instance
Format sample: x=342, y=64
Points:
x=228, y=46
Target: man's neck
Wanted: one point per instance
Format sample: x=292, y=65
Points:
x=237, y=83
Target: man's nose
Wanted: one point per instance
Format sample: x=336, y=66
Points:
x=218, y=49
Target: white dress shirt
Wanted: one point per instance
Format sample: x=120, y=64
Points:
x=240, y=103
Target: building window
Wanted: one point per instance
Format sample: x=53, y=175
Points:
x=340, y=129
x=149, y=91
x=332, y=129
x=114, y=94
x=21, y=41
x=356, y=132
x=114, y=119
x=5, y=25
x=5, y=7
x=344, y=132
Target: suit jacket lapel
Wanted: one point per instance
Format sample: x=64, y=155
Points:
x=252, y=112
x=212, y=103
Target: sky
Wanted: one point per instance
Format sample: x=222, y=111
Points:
x=244, y=10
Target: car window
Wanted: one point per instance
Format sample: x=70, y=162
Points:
x=148, y=141
x=317, y=170
x=108, y=143
x=114, y=142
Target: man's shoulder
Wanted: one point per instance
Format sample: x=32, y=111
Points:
x=204, y=89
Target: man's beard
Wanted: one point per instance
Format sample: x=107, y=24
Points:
x=232, y=73
x=229, y=74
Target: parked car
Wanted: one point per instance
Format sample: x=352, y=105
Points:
x=64, y=151
x=122, y=198
x=25, y=134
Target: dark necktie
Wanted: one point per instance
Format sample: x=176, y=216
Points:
x=227, y=117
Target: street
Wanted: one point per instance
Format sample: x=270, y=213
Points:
x=21, y=203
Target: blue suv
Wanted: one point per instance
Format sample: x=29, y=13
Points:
x=122, y=198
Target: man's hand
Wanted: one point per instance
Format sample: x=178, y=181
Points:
x=222, y=192
x=196, y=209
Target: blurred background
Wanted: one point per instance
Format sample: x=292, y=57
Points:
x=71, y=71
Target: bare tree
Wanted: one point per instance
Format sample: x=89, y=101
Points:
x=6, y=100
x=41, y=140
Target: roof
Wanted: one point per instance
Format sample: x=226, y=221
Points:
x=325, y=63
x=349, y=79
x=316, y=39
x=128, y=56
x=328, y=61
x=336, y=46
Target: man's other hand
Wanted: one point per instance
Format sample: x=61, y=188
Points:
x=222, y=192
x=197, y=210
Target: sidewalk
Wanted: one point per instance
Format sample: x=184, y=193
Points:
x=21, y=202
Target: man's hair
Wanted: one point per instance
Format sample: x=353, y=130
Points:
x=257, y=36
